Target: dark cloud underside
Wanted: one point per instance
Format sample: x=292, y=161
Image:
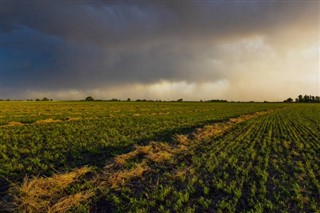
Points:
x=51, y=45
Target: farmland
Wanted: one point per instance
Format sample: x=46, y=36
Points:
x=161, y=157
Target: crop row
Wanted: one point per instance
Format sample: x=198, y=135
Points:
x=267, y=164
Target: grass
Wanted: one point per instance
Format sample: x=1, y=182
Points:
x=41, y=194
x=70, y=201
x=119, y=178
x=264, y=161
x=14, y=123
x=47, y=121
x=99, y=131
x=44, y=194
x=139, y=150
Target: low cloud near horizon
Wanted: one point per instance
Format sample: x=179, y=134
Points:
x=254, y=50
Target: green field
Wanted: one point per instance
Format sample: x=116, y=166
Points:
x=160, y=156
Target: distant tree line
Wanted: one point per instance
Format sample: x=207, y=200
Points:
x=90, y=98
x=37, y=99
x=304, y=99
x=44, y=99
x=215, y=100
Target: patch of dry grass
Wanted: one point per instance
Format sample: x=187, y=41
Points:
x=163, y=151
x=155, y=151
x=140, y=150
x=14, y=123
x=39, y=194
x=66, y=203
x=73, y=118
x=46, y=121
x=159, y=156
x=216, y=129
x=210, y=130
x=249, y=116
x=181, y=139
x=121, y=177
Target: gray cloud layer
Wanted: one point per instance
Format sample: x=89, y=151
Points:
x=86, y=46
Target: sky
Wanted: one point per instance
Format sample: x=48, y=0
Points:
x=236, y=50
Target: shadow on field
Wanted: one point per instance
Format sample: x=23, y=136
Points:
x=106, y=154
x=98, y=158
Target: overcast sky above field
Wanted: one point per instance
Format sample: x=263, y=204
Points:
x=235, y=50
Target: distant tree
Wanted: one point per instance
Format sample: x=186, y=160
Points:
x=128, y=99
x=45, y=99
x=37, y=99
x=89, y=98
x=289, y=100
x=180, y=100
x=312, y=98
x=308, y=99
x=141, y=100
x=216, y=100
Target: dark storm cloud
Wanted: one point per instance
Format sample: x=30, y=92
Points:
x=56, y=44
x=109, y=23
